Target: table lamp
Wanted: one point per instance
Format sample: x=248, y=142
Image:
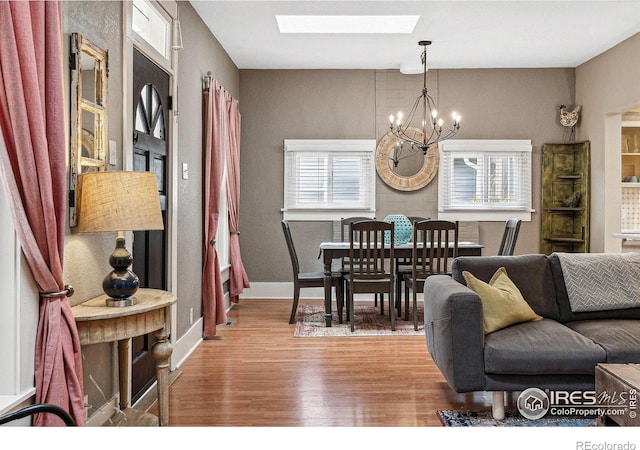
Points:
x=119, y=201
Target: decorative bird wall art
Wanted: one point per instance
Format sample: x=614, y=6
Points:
x=568, y=119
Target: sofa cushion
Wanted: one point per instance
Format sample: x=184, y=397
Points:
x=564, y=307
x=539, y=348
x=531, y=273
x=620, y=338
x=502, y=302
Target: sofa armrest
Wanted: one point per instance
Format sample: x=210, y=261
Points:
x=454, y=332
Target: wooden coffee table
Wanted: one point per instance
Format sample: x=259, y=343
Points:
x=618, y=385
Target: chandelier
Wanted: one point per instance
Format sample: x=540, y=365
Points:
x=433, y=129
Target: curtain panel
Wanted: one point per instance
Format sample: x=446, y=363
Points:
x=215, y=136
x=239, y=279
x=34, y=178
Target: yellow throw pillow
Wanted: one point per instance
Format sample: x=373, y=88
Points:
x=502, y=302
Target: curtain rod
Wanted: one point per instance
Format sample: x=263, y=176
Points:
x=206, y=83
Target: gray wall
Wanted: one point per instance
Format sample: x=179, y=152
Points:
x=283, y=104
x=607, y=86
x=201, y=54
x=291, y=104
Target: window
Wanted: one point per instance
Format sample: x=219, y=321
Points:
x=484, y=180
x=152, y=26
x=328, y=179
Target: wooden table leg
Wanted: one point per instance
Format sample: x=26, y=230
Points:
x=161, y=352
x=124, y=373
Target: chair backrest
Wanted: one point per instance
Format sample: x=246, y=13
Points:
x=344, y=225
x=366, y=245
x=509, y=237
x=432, y=240
x=292, y=249
x=414, y=219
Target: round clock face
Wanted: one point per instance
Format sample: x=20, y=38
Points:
x=411, y=170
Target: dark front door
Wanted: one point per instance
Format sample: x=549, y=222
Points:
x=151, y=113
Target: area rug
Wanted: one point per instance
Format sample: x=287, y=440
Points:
x=368, y=322
x=451, y=418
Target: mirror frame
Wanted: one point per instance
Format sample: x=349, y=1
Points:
x=81, y=137
x=414, y=182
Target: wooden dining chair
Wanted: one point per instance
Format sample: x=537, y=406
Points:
x=375, y=271
x=509, y=237
x=309, y=279
x=435, y=244
x=345, y=223
x=403, y=267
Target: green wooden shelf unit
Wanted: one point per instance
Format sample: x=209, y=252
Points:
x=566, y=171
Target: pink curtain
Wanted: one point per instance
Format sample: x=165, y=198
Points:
x=216, y=134
x=34, y=177
x=239, y=278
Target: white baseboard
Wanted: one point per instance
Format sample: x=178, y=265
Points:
x=279, y=290
x=284, y=290
x=187, y=344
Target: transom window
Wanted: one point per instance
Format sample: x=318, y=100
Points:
x=326, y=179
x=151, y=25
x=484, y=180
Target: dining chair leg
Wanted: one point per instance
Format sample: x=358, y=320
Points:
x=347, y=302
x=407, y=285
x=339, y=300
x=294, y=307
x=399, y=297
x=351, y=312
x=415, y=309
x=392, y=310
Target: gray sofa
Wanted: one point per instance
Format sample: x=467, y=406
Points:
x=559, y=352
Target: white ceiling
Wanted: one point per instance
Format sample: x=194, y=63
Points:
x=465, y=34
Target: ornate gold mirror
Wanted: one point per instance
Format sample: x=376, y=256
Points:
x=89, y=72
x=403, y=168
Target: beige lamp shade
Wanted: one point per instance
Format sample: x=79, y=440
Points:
x=118, y=201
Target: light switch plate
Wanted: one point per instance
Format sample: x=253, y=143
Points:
x=113, y=157
x=185, y=171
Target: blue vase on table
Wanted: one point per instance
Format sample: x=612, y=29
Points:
x=402, y=229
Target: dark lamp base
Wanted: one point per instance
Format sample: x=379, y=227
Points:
x=121, y=283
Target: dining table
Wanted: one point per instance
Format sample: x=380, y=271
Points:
x=329, y=251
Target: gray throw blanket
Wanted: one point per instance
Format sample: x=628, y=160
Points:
x=601, y=281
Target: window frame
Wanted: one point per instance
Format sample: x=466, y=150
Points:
x=366, y=147
x=481, y=148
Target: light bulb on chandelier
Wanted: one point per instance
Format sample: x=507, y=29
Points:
x=432, y=130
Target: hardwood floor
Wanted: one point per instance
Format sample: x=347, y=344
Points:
x=255, y=373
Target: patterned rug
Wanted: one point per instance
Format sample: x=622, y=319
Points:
x=368, y=322
x=451, y=418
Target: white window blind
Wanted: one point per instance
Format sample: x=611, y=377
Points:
x=484, y=180
x=324, y=179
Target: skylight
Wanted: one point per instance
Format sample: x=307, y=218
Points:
x=347, y=24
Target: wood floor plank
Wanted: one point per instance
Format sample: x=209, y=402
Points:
x=255, y=373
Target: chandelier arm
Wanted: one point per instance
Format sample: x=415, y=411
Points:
x=412, y=113
x=429, y=116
